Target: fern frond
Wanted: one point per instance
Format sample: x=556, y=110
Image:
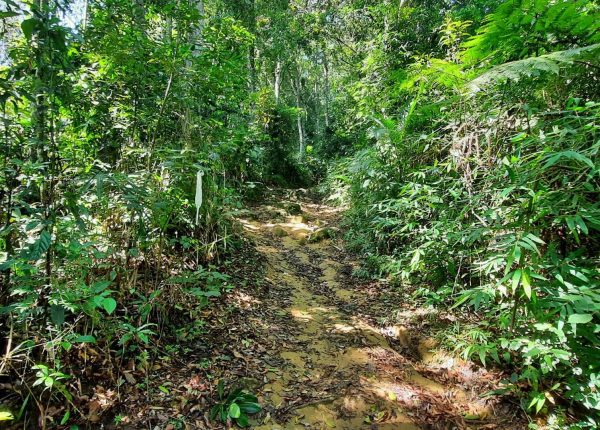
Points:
x=533, y=66
x=435, y=72
x=523, y=28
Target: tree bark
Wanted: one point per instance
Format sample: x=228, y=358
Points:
x=326, y=73
x=277, y=84
x=298, y=89
x=252, y=47
x=197, y=34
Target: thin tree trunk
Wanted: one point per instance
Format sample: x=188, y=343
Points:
x=318, y=109
x=197, y=34
x=43, y=143
x=5, y=285
x=85, y=13
x=252, y=48
x=277, y=85
x=326, y=73
x=298, y=88
x=194, y=39
x=300, y=137
x=168, y=35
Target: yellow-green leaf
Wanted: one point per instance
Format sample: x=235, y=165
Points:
x=6, y=416
x=516, y=278
x=526, y=282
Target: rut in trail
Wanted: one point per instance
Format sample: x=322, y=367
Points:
x=346, y=354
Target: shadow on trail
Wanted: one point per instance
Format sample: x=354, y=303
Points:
x=335, y=366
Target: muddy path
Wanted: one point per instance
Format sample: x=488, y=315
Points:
x=321, y=348
x=335, y=352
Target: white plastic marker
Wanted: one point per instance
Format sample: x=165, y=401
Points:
x=198, y=193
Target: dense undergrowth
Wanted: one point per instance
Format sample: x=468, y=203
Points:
x=105, y=126
x=480, y=194
x=462, y=136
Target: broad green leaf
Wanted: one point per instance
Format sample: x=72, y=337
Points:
x=66, y=345
x=109, y=304
x=98, y=301
x=28, y=26
x=580, y=318
x=65, y=418
x=85, y=339
x=211, y=293
x=516, y=278
x=234, y=410
x=57, y=314
x=215, y=411
x=143, y=337
x=242, y=421
x=100, y=286
x=526, y=283
x=568, y=155
x=37, y=249
x=534, y=238
x=581, y=224
x=538, y=401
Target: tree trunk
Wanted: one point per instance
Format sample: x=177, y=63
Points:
x=6, y=216
x=300, y=137
x=168, y=30
x=298, y=89
x=43, y=82
x=277, y=85
x=252, y=47
x=326, y=73
x=197, y=34
x=85, y=14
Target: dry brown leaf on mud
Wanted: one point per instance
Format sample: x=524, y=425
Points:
x=94, y=410
x=195, y=383
x=129, y=378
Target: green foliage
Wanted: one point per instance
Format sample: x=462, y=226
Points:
x=524, y=28
x=486, y=200
x=534, y=66
x=513, y=239
x=51, y=379
x=462, y=137
x=104, y=124
x=234, y=407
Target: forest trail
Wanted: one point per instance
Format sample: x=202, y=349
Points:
x=335, y=358
x=155, y=275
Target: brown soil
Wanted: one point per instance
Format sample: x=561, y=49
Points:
x=320, y=348
x=334, y=364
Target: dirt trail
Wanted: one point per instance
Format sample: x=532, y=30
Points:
x=331, y=362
